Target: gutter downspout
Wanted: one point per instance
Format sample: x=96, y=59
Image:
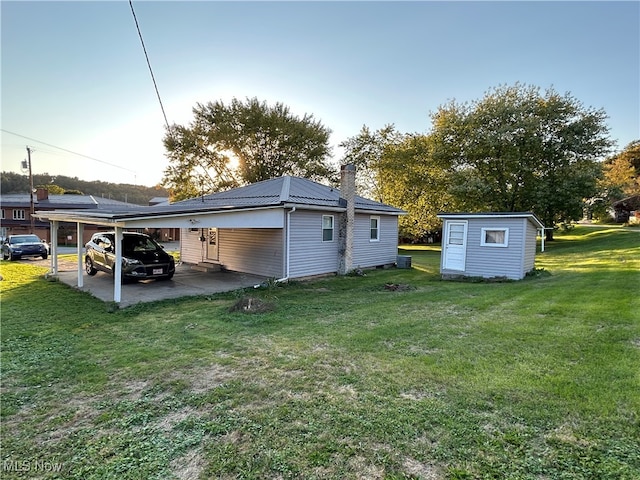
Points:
x=288, y=243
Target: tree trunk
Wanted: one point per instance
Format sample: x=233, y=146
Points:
x=548, y=235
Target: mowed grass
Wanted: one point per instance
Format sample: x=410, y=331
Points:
x=536, y=379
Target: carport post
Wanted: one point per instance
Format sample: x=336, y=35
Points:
x=79, y=237
x=54, y=247
x=117, y=274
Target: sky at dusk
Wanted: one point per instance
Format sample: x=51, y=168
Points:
x=74, y=76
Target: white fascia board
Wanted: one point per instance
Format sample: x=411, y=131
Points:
x=458, y=216
x=247, y=218
x=341, y=209
x=262, y=217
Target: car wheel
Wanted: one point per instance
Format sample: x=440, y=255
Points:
x=14, y=257
x=44, y=256
x=88, y=267
x=5, y=256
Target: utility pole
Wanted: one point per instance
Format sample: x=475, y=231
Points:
x=33, y=210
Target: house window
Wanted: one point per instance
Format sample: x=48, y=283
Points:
x=374, y=229
x=494, y=237
x=18, y=214
x=327, y=228
x=3, y=214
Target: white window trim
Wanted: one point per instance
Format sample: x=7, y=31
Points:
x=377, y=218
x=333, y=226
x=483, y=237
x=19, y=214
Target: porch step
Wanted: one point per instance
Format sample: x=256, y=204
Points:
x=207, y=267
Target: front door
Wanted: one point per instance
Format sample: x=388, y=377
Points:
x=212, y=244
x=455, y=245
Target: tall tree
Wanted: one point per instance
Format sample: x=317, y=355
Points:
x=267, y=142
x=622, y=172
x=365, y=151
x=519, y=149
x=413, y=179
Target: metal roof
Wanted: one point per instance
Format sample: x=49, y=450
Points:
x=461, y=215
x=69, y=201
x=283, y=192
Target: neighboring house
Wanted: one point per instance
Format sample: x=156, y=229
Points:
x=626, y=208
x=287, y=227
x=488, y=245
x=16, y=213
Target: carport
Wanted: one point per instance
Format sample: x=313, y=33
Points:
x=153, y=217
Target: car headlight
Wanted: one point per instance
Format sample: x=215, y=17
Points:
x=130, y=261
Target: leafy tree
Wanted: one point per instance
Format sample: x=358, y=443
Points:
x=366, y=151
x=267, y=142
x=518, y=149
x=12, y=182
x=411, y=178
x=622, y=172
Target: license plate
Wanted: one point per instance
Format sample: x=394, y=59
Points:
x=157, y=271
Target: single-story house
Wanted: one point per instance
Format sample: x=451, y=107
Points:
x=489, y=245
x=286, y=227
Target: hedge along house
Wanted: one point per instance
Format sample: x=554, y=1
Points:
x=286, y=227
x=489, y=245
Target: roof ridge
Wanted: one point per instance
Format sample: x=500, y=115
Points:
x=286, y=187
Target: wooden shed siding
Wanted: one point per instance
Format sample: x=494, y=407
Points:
x=309, y=255
x=252, y=250
x=371, y=254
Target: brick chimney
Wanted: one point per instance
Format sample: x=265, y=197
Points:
x=348, y=194
x=42, y=193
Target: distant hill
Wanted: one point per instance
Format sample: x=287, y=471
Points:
x=16, y=183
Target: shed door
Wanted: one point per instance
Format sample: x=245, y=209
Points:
x=455, y=245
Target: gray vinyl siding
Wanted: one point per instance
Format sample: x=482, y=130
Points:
x=483, y=261
x=529, y=258
x=372, y=254
x=252, y=250
x=191, y=248
x=309, y=255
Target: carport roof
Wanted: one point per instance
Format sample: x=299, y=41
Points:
x=286, y=191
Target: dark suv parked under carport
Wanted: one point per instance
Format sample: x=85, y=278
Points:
x=142, y=257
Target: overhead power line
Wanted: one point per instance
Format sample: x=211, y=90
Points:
x=153, y=78
x=68, y=151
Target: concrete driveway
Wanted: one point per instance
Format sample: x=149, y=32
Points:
x=185, y=282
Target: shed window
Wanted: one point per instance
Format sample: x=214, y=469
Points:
x=327, y=228
x=374, y=231
x=494, y=237
x=18, y=214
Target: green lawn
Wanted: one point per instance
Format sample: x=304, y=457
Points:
x=537, y=379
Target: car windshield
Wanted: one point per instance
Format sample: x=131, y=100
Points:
x=139, y=244
x=25, y=239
